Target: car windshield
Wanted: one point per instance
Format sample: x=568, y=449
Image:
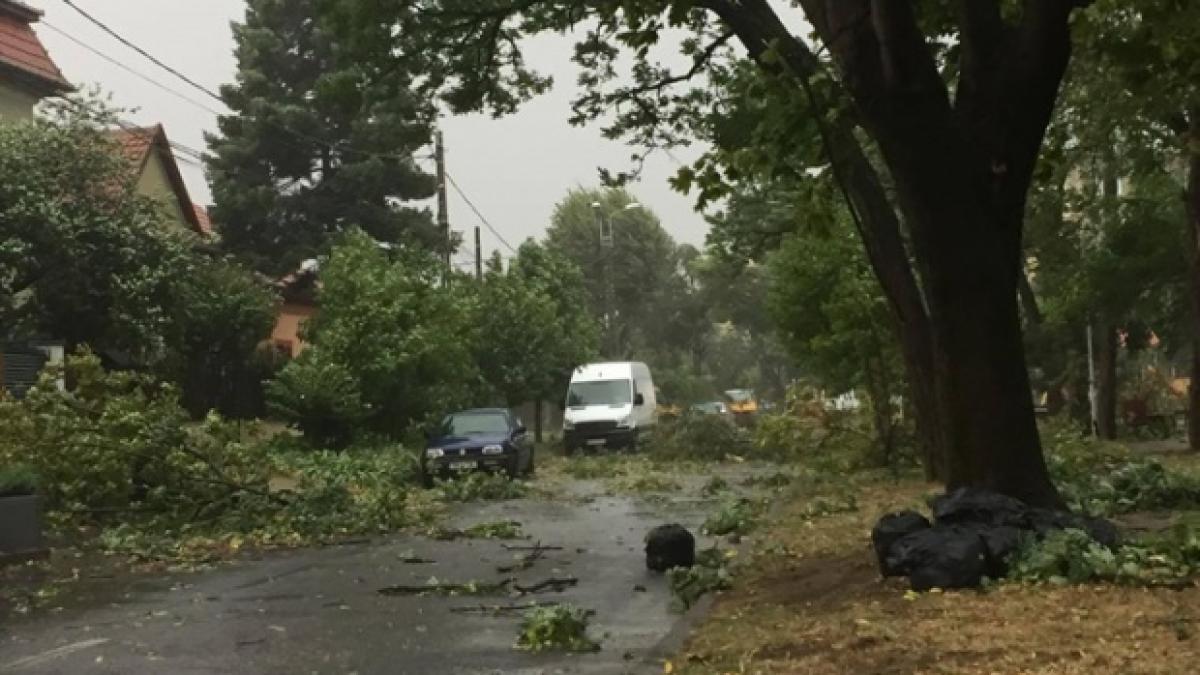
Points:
x=600, y=392
x=739, y=395
x=476, y=424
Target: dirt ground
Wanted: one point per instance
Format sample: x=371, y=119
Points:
x=811, y=601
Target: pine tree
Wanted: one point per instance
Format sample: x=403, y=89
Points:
x=322, y=138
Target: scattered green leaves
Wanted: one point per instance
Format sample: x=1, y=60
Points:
x=735, y=516
x=481, y=486
x=556, y=628
x=710, y=573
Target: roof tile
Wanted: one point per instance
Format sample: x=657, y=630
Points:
x=21, y=49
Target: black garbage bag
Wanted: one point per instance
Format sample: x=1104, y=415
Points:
x=670, y=546
x=890, y=529
x=975, y=506
x=941, y=557
x=998, y=543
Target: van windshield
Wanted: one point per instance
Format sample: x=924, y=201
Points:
x=600, y=392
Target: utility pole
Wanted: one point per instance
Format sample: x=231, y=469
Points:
x=443, y=215
x=606, y=246
x=478, y=256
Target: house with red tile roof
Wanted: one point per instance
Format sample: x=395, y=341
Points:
x=27, y=73
x=149, y=154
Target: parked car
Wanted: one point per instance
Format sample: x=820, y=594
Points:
x=483, y=439
x=609, y=405
x=709, y=408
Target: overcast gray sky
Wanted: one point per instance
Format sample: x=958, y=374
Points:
x=514, y=169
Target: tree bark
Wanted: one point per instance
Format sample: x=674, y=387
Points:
x=962, y=172
x=1105, y=336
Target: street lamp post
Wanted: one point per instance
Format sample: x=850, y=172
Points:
x=607, y=240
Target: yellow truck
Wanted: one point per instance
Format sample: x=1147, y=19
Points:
x=742, y=405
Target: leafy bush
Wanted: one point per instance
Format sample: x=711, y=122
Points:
x=18, y=479
x=118, y=451
x=1073, y=557
x=710, y=573
x=1104, y=479
x=121, y=438
x=558, y=627
x=697, y=437
x=321, y=398
x=481, y=486
x=734, y=517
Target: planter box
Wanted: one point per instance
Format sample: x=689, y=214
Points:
x=20, y=525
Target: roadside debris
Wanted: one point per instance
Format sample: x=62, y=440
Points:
x=972, y=536
x=561, y=627
x=475, y=587
x=669, y=546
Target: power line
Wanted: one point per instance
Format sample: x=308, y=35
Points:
x=129, y=70
x=482, y=219
x=208, y=92
x=104, y=27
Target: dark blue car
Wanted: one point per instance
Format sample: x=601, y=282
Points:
x=484, y=439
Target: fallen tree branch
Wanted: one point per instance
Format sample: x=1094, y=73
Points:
x=557, y=585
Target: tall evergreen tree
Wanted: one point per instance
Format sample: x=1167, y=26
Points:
x=322, y=137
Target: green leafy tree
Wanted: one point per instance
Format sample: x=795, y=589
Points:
x=624, y=282
x=394, y=337
x=322, y=138
x=534, y=327
x=843, y=340
x=220, y=313
x=83, y=257
x=1145, y=62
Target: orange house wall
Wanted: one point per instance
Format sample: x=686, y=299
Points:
x=287, y=326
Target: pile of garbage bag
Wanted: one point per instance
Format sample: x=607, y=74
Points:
x=971, y=536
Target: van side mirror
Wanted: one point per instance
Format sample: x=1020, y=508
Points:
x=638, y=399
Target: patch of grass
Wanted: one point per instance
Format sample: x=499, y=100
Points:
x=820, y=507
x=773, y=480
x=556, y=628
x=481, y=486
x=735, y=516
x=500, y=529
x=714, y=486
x=646, y=482
x=594, y=468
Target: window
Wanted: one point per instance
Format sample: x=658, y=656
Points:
x=477, y=424
x=600, y=392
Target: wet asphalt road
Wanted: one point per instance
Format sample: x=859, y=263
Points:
x=319, y=611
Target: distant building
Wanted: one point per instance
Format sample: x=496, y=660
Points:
x=158, y=177
x=27, y=73
x=299, y=293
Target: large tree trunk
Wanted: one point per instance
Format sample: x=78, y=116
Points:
x=984, y=381
x=1105, y=336
x=961, y=170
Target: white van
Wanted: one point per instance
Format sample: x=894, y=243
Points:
x=609, y=405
